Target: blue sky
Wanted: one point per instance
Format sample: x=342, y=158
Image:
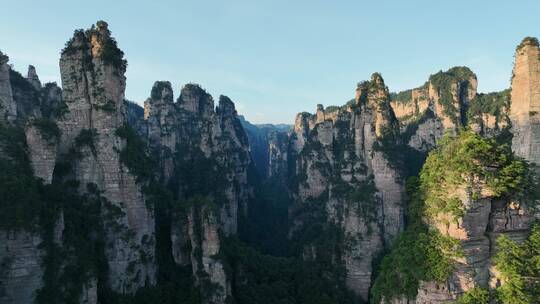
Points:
x=277, y=58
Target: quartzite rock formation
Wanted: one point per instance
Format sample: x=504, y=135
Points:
x=345, y=181
x=122, y=198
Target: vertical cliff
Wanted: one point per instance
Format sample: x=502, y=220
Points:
x=478, y=195
x=347, y=196
x=79, y=185
x=440, y=105
x=27, y=156
x=92, y=70
x=203, y=158
x=7, y=104
x=526, y=100
x=471, y=191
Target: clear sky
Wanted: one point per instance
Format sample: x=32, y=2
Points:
x=276, y=58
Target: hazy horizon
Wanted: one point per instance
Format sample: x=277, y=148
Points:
x=273, y=58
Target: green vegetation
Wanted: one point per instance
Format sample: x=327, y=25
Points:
x=20, y=82
x=158, y=88
x=134, y=154
x=418, y=254
x=364, y=200
x=265, y=279
x=519, y=266
x=3, y=58
x=399, y=154
x=200, y=175
x=495, y=104
x=442, y=82
x=324, y=241
x=528, y=41
x=331, y=109
x=475, y=295
x=402, y=97
x=87, y=137
x=266, y=225
x=82, y=241
x=109, y=107
x=19, y=190
x=421, y=253
x=70, y=48
x=110, y=53
x=469, y=160
x=48, y=128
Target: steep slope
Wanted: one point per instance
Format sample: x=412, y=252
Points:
x=347, y=196
x=481, y=197
x=92, y=69
x=524, y=111
x=204, y=159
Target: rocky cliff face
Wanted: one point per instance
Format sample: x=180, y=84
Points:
x=28, y=145
x=7, y=104
x=76, y=127
x=344, y=182
x=439, y=106
x=101, y=199
x=526, y=101
x=487, y=214
x=79, y=137
x=202, y=151
x=92, y=70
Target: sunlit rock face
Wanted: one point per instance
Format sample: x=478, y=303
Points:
x=486, y=216
x=525, y=96
x=344, y=181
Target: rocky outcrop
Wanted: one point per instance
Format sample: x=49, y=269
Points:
x=488, y=114
x=411, y=103
x=278, y=144
x=202, y=151
x=439, y=106
x=343, y=179
x=8, y=107
x=487, y=216
x=484, y=220
x=33, y=78
x=42, y=152
x=92, y=70
x=21, y=254
x=525, y=96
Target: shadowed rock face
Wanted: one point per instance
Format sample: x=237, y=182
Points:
x=21, y=104
x=192, y=133
x=92, y=70
x=8, y=107
x=78, y=125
